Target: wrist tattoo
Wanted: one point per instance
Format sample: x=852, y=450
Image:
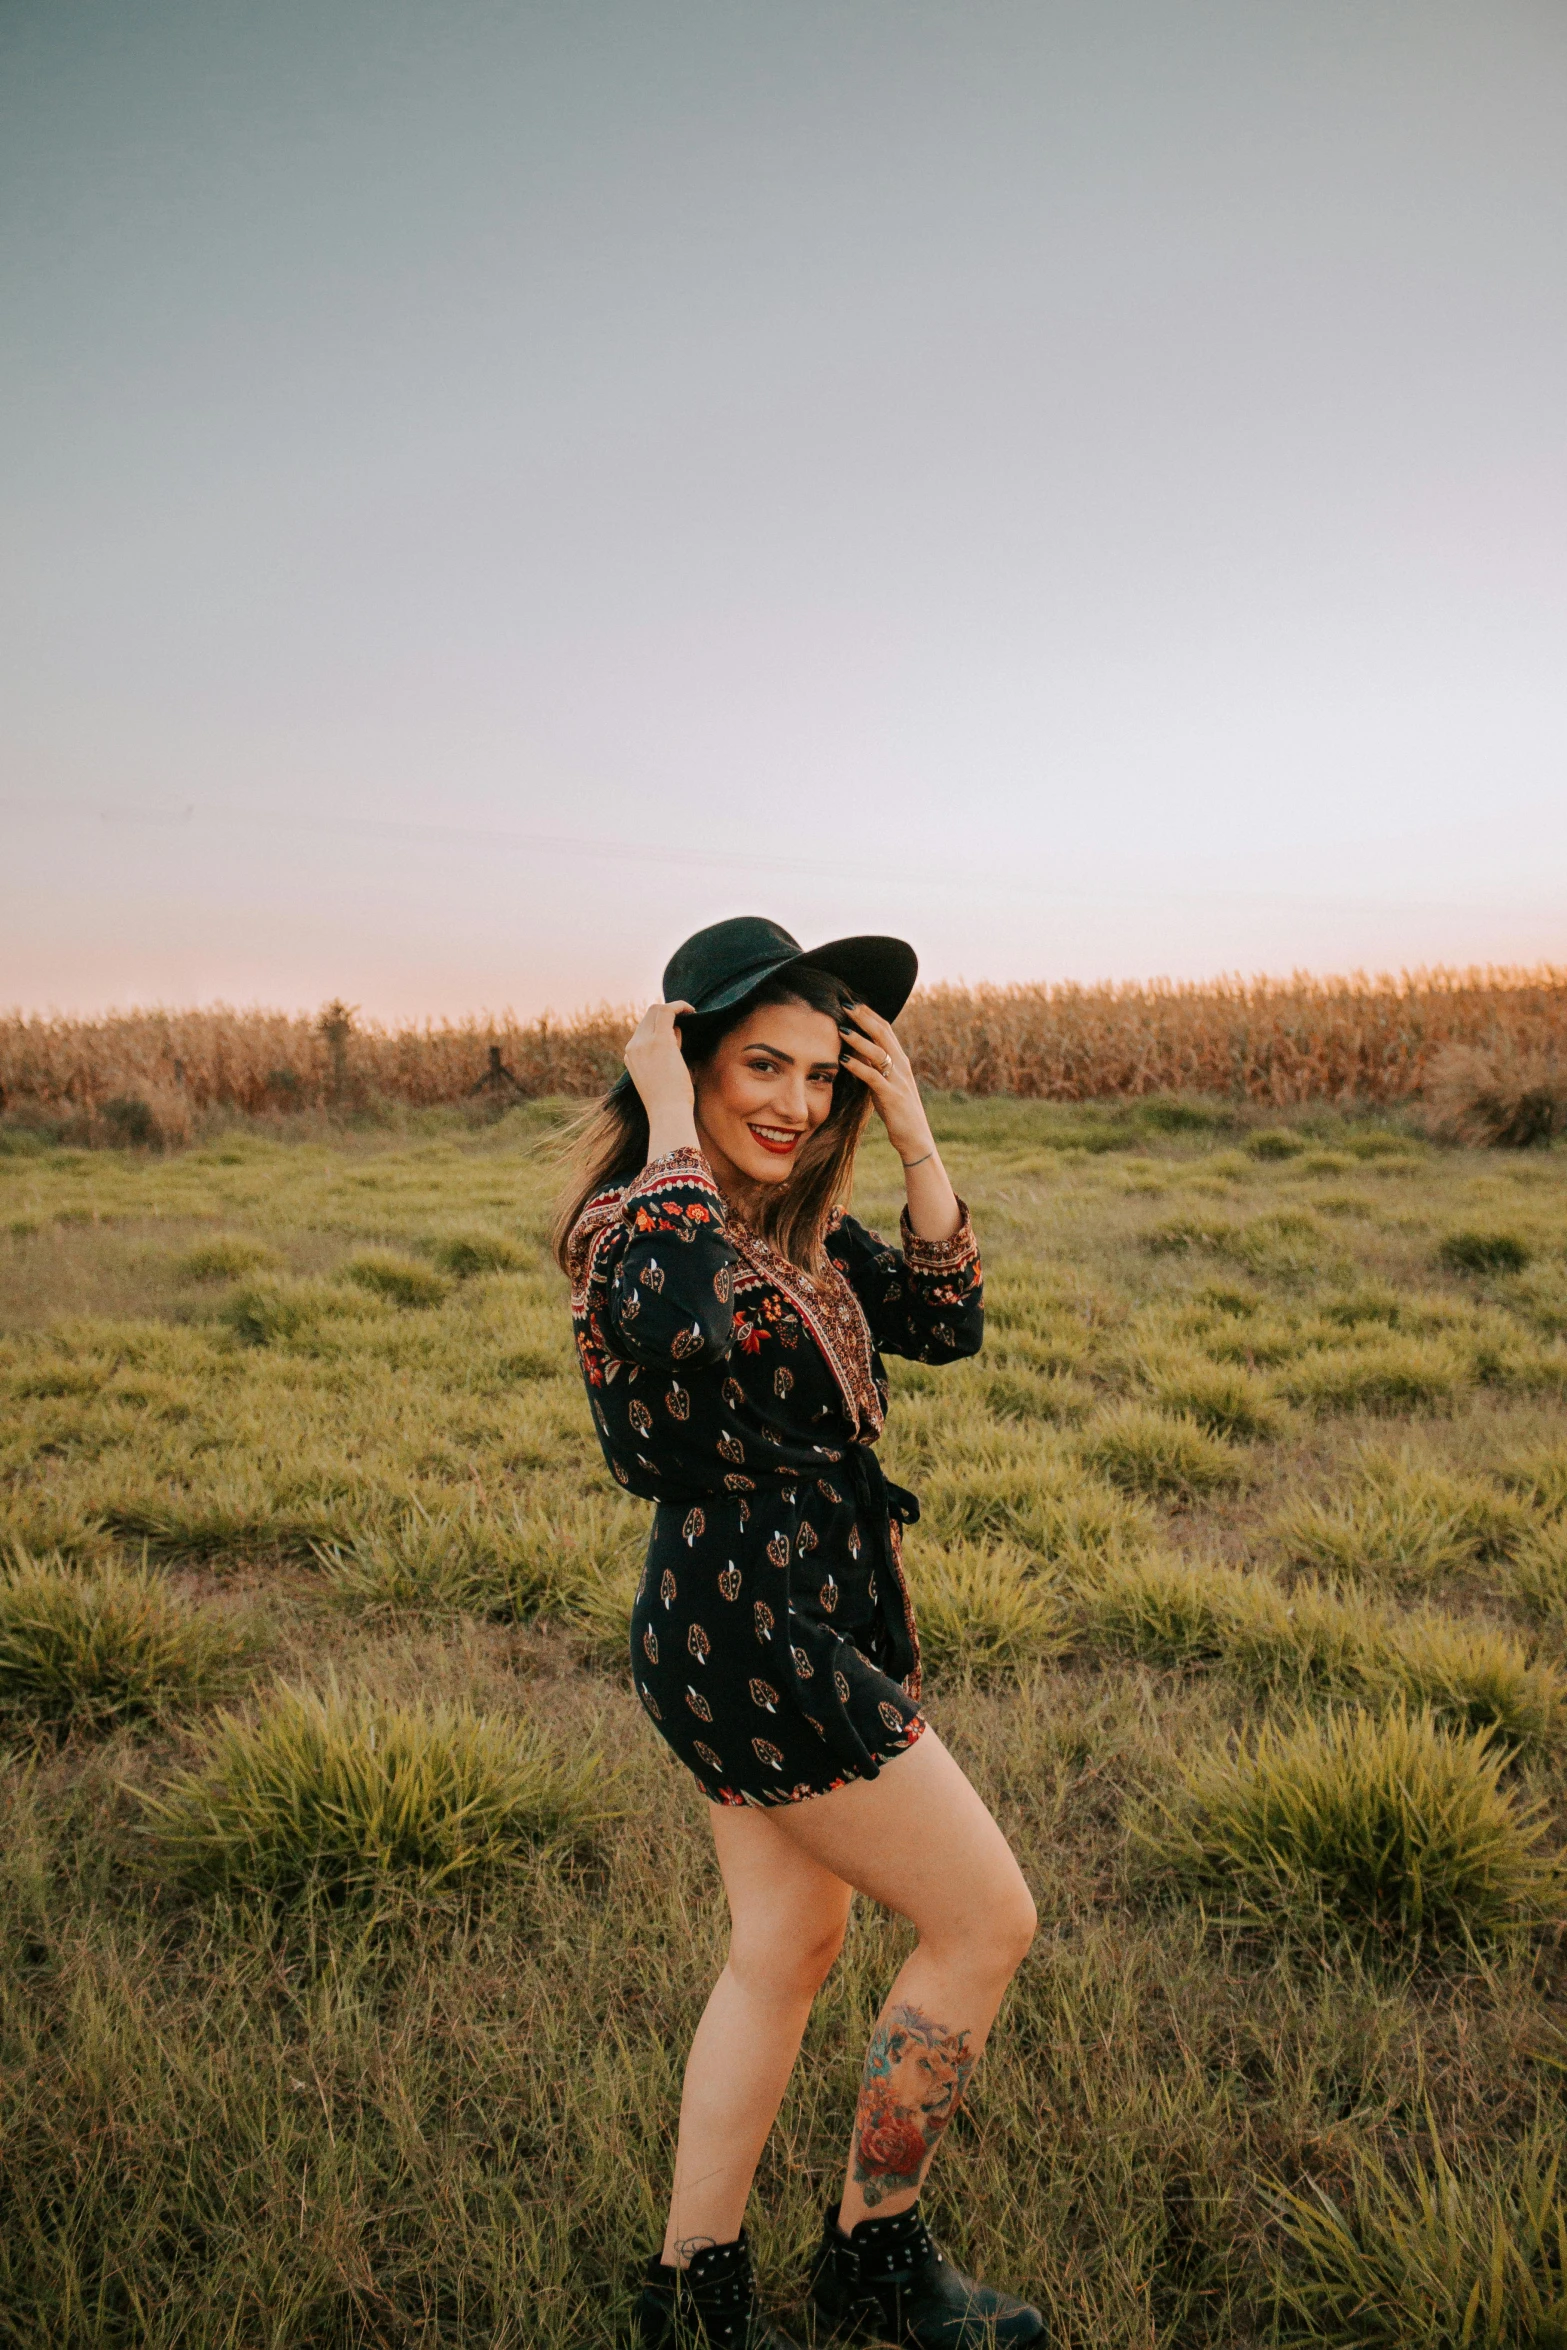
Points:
x=919, y=1162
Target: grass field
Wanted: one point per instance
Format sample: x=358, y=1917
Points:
x=353, y=1920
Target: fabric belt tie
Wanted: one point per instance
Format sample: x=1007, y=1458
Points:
x=878, y=1500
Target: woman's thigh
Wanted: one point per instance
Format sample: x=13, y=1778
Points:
x=788, y=1909
x=918, y=1839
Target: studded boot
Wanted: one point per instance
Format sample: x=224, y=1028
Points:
x=709, y=2305
x=887, y=2282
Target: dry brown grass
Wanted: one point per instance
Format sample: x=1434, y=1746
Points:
x=223, y=1058
x=1507, y=1097
x=1261, y=1040
x=1268, y=1041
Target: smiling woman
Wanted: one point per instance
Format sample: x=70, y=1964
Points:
x=731, y=1320
x=761, y=1095
x=778, y=1120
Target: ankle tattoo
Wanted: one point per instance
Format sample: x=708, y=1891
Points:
x=915, y=2075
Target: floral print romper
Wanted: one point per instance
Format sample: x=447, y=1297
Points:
x=772, y=1638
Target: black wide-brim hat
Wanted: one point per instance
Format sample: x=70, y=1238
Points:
x=719, y=967
x=722, y=965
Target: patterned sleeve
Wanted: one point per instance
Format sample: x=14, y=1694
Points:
x=928, y=1303
x=671, y=1293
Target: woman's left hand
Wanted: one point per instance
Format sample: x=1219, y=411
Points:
x=880, y=1063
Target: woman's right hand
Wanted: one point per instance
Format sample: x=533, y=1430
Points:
x=663, y=1080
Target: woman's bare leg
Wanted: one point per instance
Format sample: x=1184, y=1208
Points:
x=788, y=1914
x=919, y=1840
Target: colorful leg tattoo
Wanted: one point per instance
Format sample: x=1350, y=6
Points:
x=915, y=2075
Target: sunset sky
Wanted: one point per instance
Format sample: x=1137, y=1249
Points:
x=486, y=489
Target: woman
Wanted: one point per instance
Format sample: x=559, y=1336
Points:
x=731, y=1321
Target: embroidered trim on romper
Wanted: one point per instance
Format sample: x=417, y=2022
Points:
x=834, y=1316
x=686, y=1167
x=939, y=1256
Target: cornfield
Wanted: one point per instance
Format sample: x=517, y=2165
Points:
x=1272, y=1041
x=1268, y=1041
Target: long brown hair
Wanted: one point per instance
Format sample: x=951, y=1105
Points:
x=612, y=1145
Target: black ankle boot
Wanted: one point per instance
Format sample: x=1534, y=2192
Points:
x=887, y=2281
x=710, y=2302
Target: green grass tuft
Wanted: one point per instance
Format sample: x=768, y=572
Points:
x=353, y=1797
x=1488, y=1250
x=80, y=1651
x=1276, y=1142
x=226, y=1520
x=1173, y=1114
x=1190, y=1235
x=598, y=1610
x=1326, y=1163
x=1436, y=2259
x=1371, y=1302
x=39, y=1525
x=1305, y=1644
x=1169, y=1457
x=1160, y=1610
x=1382, y=1824
x=1222, y=1297
x=1290, y=1247
x=1399, y=1536
x=982, y=1611
x=1394, y=1375
x=1536, y=1578
x=402, y=1281
x=1403, y=1523
x=1538, y=1478
x=1471, y=1676
x=228, y=1259
x=424, y=1567
x=1315, y=1644
x=1225, y=1400
x=1043, y=1503
x=510, y=1562
x=1056, y=1398
x=462, y=1254
x=276, y=1312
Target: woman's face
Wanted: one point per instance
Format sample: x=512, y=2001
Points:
x=766, y=1086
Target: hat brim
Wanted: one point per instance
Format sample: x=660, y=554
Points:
x=880, y=971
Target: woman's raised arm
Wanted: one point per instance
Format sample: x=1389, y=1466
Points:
x=883, y=1067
